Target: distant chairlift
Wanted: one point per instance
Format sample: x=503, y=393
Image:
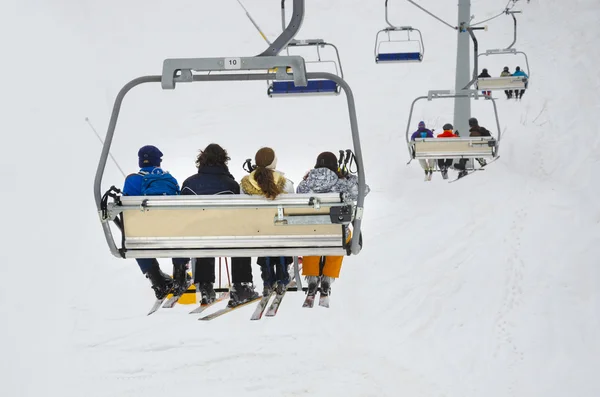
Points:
x=504, y=83
x=313, y=86
x=462, y=148
x=508, y=82
x=398, y=56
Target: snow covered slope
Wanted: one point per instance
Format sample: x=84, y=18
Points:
x=488, y=286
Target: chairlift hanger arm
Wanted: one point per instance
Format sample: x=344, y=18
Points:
x=470, y=29
x=512, y=14
x=289, y=32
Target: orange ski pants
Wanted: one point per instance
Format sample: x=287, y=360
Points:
x=331, y=268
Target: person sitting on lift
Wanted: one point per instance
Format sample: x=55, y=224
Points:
x=213, y=177
x=326, y=177
x=507, y=73
x=475, y=131
x=428, y=164
x=519, y=73
x=151, y=180
x=484, y=73
x=444, y=164
x=266, y=181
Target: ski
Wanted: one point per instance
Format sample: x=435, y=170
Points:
x=309, y=301
x=169, y=303
x=227, y=309
x=275, y=304
x=323, y=300
x=467, y=174
x=172, y=301
x=156, y=306
x=202, y=307
x=262, y=305
x=478, y=169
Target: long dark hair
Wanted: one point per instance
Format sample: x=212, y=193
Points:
x=213, y=155
x=263, y=174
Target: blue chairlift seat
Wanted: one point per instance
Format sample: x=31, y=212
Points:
x=312, y=87
x=399, y=57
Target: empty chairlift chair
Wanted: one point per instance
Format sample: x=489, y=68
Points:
x=390, y=48
x=313, y=86
x=400, y=52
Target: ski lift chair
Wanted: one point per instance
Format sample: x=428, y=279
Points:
x=504, y=83
x=313, y=86
x=397, y=56
x=230, y=225
x=461, y=148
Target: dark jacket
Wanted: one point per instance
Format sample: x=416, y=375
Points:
x=210, y=180
x=479, y=131
x=484, y=74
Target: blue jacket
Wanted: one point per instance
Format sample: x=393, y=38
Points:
x=133, y=182
x=520, y=73
x=421, y=133
x=210, y=180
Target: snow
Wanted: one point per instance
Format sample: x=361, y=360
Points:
x=488, y=286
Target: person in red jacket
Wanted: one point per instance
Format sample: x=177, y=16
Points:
x=444, y=164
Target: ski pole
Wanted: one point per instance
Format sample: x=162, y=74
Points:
x=102, y=142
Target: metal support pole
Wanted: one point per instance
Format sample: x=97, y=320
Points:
x=227, y=268
x=462, y=106
x=297, y=274
x=282, y=15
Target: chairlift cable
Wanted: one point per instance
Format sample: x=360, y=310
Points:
x=102, y=142
x=254, y=23
x=506, y=9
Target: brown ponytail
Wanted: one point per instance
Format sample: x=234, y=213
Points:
x=265, y=180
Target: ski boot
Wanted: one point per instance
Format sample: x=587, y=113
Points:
x=462, y=173
x=181, y=279
x=313, y=285
x=162, y=284
x=268, y=289
x=326, y=285
x=444, y=171
x=281, y=287
x=482, y=162
x=207, y=293
x=241, y=293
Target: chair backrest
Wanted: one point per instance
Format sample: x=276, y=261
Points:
x=234, y=225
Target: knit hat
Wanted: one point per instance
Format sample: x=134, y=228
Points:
x=421, y=124
x=327, y=160
x=448, y=126
x=266, y=158
x=473, y=122
x=149, y=156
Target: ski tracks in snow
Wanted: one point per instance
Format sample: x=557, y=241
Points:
x=505, y=345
